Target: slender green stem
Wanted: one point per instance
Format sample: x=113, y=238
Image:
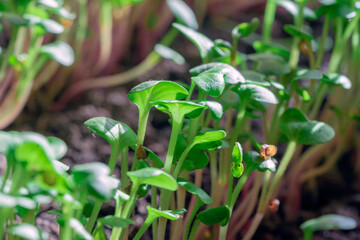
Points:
x=269, y=18
x=191, y=90
x=181, y=161
x=213, y=172
x=193, y=213
x=308, y=235
x=325, y=33
x=129, y=206
x=264, y=189
x=114, y=156
x=154, y=205
x=299, y=21
x=124, y=167
x=176, y=127
x=115, y=233
x=233, y=52
x=149, y=220
x=165, y=195
x=239, y=186
x=143, y=120
x=231, y=199
x=94, y=214
x=194, y=229
x=290, y=150
x=66, y=232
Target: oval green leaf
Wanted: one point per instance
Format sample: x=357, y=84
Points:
x=154, y=177
x=151, y=91
x=204, y=44
x=178, y=109
x=169, y=53
x=215, y=108
x=230, y=74
x=215, y=215
x=245, y=29
x=296, y=127
x=183, y=13
x=336, y=79
x=255, y=92
x=59, y=51
x=297, y=32
x=168, y=214
x=237, y=153
x=116, y=133
x=195, y=190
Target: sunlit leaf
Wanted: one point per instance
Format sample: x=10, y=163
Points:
x=154, y=177
x=297, y=128
x=59, y=51
x=183, y=13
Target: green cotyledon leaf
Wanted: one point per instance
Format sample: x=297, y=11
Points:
x=195, y=190
x=296, y=127
x=151, y=91
x=115, y=132
x=154, y=177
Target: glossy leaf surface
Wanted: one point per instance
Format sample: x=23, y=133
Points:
x=116, y=133
x=229, y=73
x=195, y=190
x=178, y=109
x=151, y=91
x=215, y=215
x=245, y=29
x=154, y=177
x=204, y=44
x=256, y=93
x=297, y=128
x=168, y=214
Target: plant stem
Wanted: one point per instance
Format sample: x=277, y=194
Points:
x=269, y=18
x=290, y=150
x=66, y=231
x=154, y=205
x=181, y=161
x=325, y=33
x=143, y=120
x=114, y=156
x=193, y=213
x=94, y=213
x=124, y=167
x=194, y=229
x=254, y=225
x=129, y=206
x=149, y=220
x=115, y=233
x=308, y=235
x=231, y=199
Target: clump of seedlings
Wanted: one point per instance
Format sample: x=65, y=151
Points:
x=210, y=128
